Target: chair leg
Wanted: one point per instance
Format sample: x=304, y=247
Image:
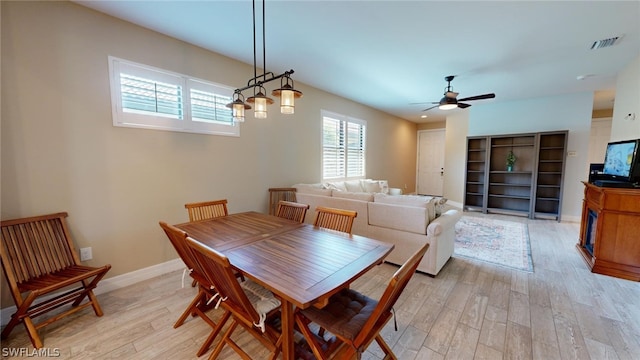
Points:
x=15, y=320
x=190, y=309
x=33, y=333
x=312, y=340
x=94, y=303
x=385, y=347
x=225, y=338
x=216, y=330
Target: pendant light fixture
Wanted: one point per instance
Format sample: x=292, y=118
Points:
x=286, y=92
x=287, y=95
x=238, y=107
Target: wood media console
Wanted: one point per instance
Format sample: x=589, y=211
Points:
x=610, y=231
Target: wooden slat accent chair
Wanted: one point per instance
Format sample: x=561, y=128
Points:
x=39, y=261
x=278, y=194
x=335, y=219
x=207, y=209
x=249, y=304
x=206, y=290
x=354, y=319
x=292, y=210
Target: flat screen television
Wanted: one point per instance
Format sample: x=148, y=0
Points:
x=622, y=161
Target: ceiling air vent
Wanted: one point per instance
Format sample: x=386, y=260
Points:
x=599, y=44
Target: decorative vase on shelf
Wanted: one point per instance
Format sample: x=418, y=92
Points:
x=511, y=159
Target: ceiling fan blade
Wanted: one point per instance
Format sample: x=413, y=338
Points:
x=435, y=106
x=479, y=97
x=463, y=105
x=422, y=103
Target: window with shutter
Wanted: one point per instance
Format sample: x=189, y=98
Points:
x=343, y=147
x=151, y=98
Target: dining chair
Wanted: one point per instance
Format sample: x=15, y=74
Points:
x=249, y=304
x=206, y=289
x=354, y=319
x=207, y=209
x=335, y=219
x=292, y=210
x=277, y=194
x=41, y=263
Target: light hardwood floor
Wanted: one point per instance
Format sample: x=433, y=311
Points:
x=471, y=310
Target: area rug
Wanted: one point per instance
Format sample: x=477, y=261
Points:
x=499, y=242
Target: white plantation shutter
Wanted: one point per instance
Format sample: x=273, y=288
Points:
x=151, y=98
x=147, y=96
x=208, y=103
x=355, y=150
x=333, y=151
x=343, y=147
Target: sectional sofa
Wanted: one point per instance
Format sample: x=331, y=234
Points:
x=407, y=221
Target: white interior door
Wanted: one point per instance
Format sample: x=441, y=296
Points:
x=430, y=162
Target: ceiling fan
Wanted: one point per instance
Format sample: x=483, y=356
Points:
x=449, y=100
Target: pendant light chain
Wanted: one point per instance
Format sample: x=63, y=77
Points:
x=286, y=92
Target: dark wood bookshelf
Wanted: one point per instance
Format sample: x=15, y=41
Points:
x=533, y=188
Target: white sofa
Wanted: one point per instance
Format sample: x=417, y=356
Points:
x=407, y=221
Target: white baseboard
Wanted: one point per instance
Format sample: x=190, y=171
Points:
x=117, y=282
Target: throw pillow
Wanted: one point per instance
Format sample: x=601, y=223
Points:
x=353, y=186
x=371, y=186
x=440, y=206
x=336, y=185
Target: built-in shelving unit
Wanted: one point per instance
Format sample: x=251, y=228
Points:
x=475, y=173
x=533, y=188
x=549, y=179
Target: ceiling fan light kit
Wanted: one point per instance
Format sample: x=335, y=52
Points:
x=449, y=101
x=286, y=92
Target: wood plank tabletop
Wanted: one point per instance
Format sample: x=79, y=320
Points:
x=301, y=264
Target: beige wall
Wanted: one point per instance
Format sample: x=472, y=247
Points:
x=627, y=101
x=60, y=152
x=432, y=125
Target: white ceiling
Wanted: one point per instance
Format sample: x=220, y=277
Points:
x=388, y=54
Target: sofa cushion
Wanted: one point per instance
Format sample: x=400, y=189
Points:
x=336, y=185
x=362, y=196
x=371, y=186
x=398, y=217
x=353, y=186
x=316, y=189
x=427, y=202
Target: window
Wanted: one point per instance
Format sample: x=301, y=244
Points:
x=343, y=147
x=151, y=98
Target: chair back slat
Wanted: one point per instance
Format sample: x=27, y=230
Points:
x=335, y=219
x=217, y=269
x=207, y=209
x=292, y=210
x=33, y=247
x=391, y=294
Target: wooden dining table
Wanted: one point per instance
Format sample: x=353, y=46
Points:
x=301, y=264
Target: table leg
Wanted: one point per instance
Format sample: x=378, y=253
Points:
x=288, y=351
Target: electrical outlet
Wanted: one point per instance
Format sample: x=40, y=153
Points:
x=85, y=254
